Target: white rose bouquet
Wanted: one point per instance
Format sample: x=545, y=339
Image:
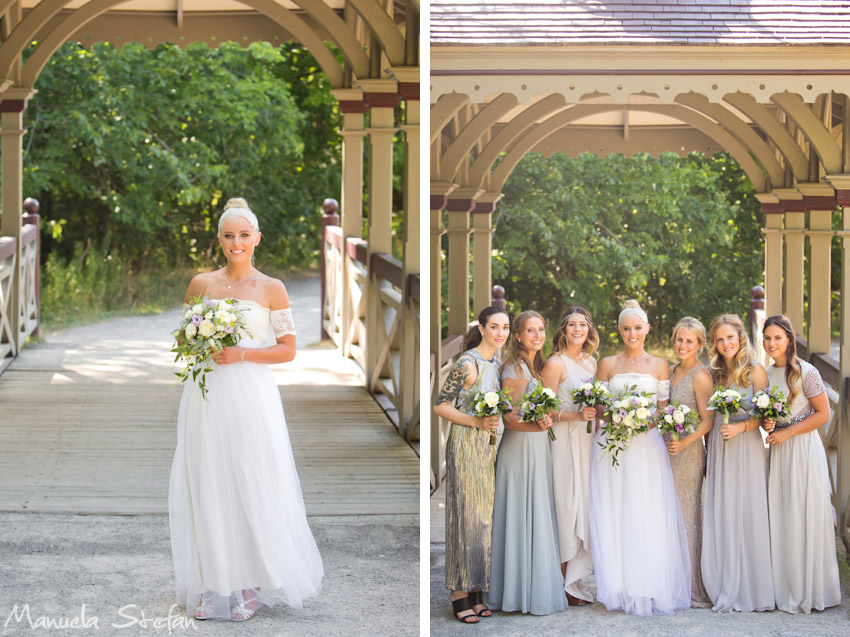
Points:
x=628, y=415
x=677, y=419
x=591, y=393
x=537, y=404
x=491, y=403
x=770, y=403
x=206, y=327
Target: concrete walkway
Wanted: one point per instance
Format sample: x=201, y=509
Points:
x=87, y=433
x=595, y=620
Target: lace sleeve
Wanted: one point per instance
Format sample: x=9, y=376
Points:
x=813, y=384
x=282, y=322
x=663, y=392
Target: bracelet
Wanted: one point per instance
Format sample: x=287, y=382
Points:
x=242, y=358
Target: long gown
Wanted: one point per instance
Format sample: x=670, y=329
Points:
x=802, y=534
x=236, y=512
x=735, y=533
x=525, y=573
x=469, y=489
x=640, y=550
x=688, y=468
x=570, y=477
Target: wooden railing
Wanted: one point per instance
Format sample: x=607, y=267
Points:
x=348, y=271
x=19, y=309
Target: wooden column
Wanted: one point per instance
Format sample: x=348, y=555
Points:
x=439, y=200
x=353, y=107
x=409, y=380
x=381, y=97
x=795, y=218
x=461, y=202
x=482, y=247
x=841, y=498
x=820, y=202
x=772, y=252
x=12, y=108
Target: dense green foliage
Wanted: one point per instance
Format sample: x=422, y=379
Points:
x=137, y=149
x=681, y=235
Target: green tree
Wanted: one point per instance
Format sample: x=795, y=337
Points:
x=136, y=149
x=681, y=235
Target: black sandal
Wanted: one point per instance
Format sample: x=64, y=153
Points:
x=477, y=598
x=462, y=604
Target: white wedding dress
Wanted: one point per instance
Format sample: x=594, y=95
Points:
x=238, y=525
x=637, y=535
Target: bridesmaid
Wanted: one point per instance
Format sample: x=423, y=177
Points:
x=469, y=465
x=735, y=535
x=690, y=384
x=569, y=366
x=802, y=535
x=524, y=574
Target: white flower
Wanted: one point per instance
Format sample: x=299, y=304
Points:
x=616, y=418
x=191, y=330
x=491, y=398
x=679, y=417
x=206, y=329
x=585, y=387
x=548, y=392
x=188, y=314
x=198, y=309
x=685, y=409
x=763, y=401
x=643, y=401
x=668, y=418
x=208, y=315
x=641, y=413
x=628, y=421
x=222, y=315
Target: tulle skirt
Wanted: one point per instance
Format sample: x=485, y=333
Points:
x=238, y=524
x=639, y=546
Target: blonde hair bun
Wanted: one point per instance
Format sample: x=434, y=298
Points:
x=632, y=307
x=238, y=207
x=631, y=303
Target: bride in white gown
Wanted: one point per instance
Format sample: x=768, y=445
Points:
x=239, y=532
x=637, y=535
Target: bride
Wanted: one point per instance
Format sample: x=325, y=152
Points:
x=640, y=550
x=239, y=532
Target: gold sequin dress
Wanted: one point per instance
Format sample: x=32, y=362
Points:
x=688, y=472
x=470, y=483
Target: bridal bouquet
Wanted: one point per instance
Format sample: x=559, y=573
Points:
x=537, y=404
x=678, y=419
x=591, y=393
x=207, y=326
x=491, y=403
x=726, y=401
x=630, y=414
x=770, y=403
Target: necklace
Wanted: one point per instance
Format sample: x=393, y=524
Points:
x=230, y=285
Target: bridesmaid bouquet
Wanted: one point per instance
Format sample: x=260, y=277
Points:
x=770, y=403
x=207, y=326
x=593, y=392
x=629, y=415
x=726, y=401
x=537, y=404
x=491, y=403
x=677, y=419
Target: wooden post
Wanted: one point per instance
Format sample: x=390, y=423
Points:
x=482, y=242
x=820, y=201
x=794, y=208
x=329, y=218
x=498, y=299
x=756, y=320
x=772, y=252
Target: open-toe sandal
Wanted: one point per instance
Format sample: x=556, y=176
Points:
x=462, y=604
x=477, y=599
x=246, y=608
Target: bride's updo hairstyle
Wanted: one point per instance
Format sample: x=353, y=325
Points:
x=591, y=344
x=742, y=375
x=517, y=353
x=238, y=207
x=630, y=308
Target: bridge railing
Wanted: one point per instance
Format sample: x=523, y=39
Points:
x=391, y=367
x=20, y=316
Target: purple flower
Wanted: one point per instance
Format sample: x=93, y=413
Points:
x=196, y=320
x=587, y=392
x=680, y=428
x=634, y=400
x=622, y=413
x=669, y=409
x=728, y=399
x=209, y=303
x=228, y=329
